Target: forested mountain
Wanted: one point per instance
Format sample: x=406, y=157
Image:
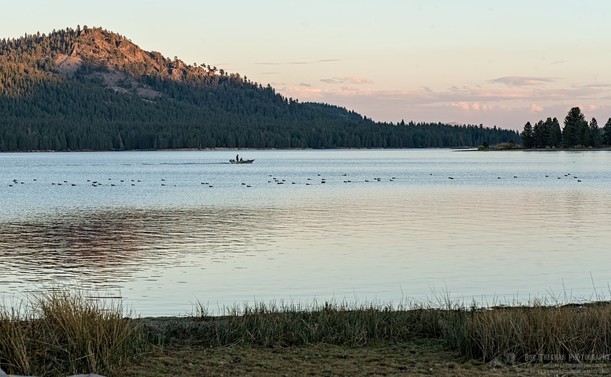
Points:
x=91, y=89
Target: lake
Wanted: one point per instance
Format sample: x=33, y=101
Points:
x=164, y=230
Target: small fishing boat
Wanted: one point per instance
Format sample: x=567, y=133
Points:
x=240, y=161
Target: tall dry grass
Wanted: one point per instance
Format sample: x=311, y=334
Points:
x=293, y=324
x=66, y=333
x=532, y=333
x=535, y=333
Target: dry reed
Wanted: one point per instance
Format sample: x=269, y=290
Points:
x=66, y=333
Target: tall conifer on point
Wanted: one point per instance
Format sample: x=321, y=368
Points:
x=574, y=123
x=528, y=139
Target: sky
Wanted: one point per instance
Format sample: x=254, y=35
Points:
x=484, y=62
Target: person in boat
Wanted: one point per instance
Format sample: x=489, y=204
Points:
x=237, y=157
x=241, y=159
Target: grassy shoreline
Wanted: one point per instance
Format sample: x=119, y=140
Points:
x=66, y=333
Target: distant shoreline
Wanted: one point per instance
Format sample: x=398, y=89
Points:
x=492, y=149
x=456, y=149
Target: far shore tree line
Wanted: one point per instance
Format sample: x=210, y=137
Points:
x=576, y=133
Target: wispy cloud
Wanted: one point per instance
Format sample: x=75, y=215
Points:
x=477, y=99
x=601, y=86
x=522, y=80
x=507, y=106
x=347, y=80
x=588, y=107
x=304, y=62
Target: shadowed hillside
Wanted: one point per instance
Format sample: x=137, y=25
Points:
x=91, y=89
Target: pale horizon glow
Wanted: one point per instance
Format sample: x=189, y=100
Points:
x=467, y=62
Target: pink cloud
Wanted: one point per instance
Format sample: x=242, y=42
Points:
x=474, y=106
x=462, y=105
x=309, y=93
x=508, y=107
x=471, y=99
x=522, y=80
x=348, y=80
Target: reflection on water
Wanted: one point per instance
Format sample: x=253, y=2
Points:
x=103, y=249
x=504, y=227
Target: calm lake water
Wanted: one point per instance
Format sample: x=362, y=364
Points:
x=164, y=230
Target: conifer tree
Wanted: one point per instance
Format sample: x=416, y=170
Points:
x=595, y=137
x=555, y=133
x=607, y=133
x=528, y=139
x=541, y=132
x=574, y=123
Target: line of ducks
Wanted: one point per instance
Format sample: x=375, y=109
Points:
x=546, y=176
x=322, y=180
x=163, y=182
x=66, y=183
x=272, y=179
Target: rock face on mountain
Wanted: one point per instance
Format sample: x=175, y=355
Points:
x=120, y=59
x=117, y=61
x=96, y=47
x=95, y=52
x=92, y=89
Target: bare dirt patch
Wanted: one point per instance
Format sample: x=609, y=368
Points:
x=413, y=358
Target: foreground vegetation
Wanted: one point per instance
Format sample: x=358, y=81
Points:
x=63, y=333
